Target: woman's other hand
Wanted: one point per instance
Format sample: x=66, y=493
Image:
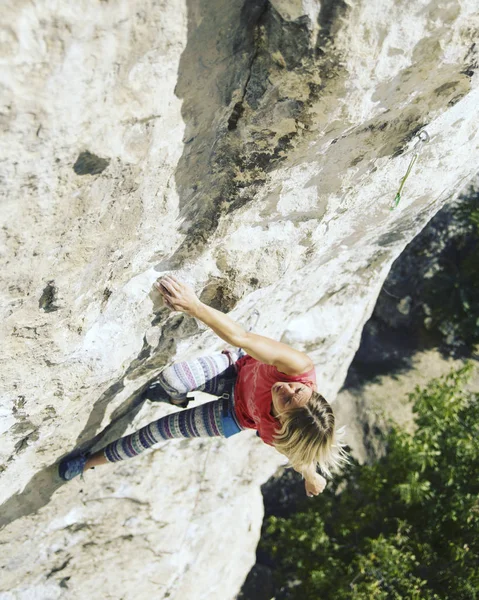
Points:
x=315, y=485
x=177, y=295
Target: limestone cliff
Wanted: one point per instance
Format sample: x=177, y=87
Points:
x=253, y=148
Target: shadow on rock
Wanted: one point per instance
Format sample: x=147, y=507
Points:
x=41, y=487
x=37, y=493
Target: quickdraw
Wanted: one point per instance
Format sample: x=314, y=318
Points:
x=423, y=138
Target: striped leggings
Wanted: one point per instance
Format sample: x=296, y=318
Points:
x=214, y=374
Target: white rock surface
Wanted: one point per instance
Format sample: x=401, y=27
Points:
x=259, y=171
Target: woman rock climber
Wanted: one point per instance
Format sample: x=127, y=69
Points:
x=267, y=386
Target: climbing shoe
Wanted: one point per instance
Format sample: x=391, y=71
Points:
x=155, y=393
x=72, y=466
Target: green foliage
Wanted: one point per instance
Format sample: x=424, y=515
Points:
x=453, y=293
x=405, y=527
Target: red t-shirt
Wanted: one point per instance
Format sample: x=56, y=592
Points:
x=253, y=397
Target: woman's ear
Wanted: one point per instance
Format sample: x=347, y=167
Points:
x=315, y=387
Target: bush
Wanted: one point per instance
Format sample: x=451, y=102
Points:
x=405, y=527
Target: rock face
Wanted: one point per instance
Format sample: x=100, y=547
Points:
x=253, y=148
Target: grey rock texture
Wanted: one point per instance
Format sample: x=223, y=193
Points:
x=254, y=149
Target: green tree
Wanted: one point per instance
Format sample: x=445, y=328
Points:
x=405, y=527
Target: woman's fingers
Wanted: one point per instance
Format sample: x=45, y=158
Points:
x=166, y=295
x=168, y=282
x=166, y=290
x=167, y=299
x=167, y=285
x=162, y=288
x=177, y=295
x=173, y=283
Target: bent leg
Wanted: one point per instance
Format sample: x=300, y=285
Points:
x=212, y=374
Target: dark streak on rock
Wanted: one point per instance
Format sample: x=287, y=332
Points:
x=48, y=297
x=356, y=160
x=106, y=295
x=446, y=87
x=144, y=354
x=329, y=21
x=60, y=568
x=89, y=164
x=456, y=99
x=274, y=36
x=21, y=445
x=235, y=116
x=409, y=136
x=472, y=61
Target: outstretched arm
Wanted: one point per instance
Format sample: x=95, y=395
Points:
x=179, y=296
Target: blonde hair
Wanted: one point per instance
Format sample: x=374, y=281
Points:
x=308, y=436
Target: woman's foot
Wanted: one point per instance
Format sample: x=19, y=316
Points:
x=72, y=466
x=155, y=393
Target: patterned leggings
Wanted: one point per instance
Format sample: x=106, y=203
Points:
x=214, y=374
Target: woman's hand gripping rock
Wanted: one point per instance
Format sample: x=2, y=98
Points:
x=177, y=295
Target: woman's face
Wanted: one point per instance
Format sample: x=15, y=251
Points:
x=289, y=394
